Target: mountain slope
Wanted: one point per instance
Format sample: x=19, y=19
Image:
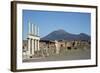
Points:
x=63, y=35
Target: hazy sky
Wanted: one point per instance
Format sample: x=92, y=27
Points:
x=48, y=21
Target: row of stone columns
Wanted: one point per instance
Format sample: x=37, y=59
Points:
x=33, y=29
x=33, y=40
x=33, y=46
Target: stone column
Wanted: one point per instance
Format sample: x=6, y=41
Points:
x=38, y=45
x=33, y=29
x=29, y=28
x=35, y=44
x=57, y=47
x=37, y=31
x=29, y=47
x=32, y=46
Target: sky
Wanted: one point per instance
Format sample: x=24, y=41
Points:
x=48, y=21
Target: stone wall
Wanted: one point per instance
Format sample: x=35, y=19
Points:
x=66, y=44
x=48, y=48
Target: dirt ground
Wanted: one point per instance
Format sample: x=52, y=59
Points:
x=65, y=54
